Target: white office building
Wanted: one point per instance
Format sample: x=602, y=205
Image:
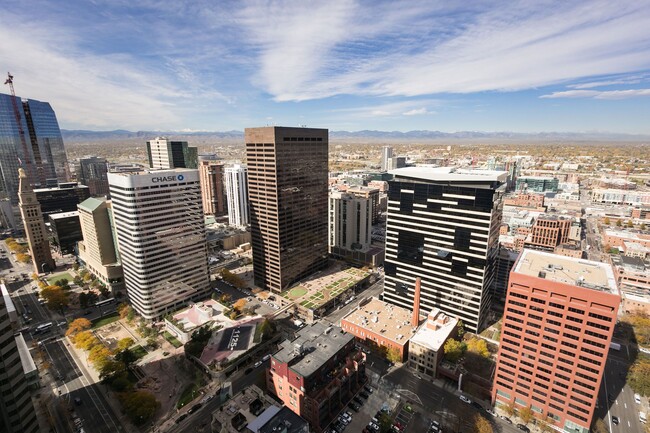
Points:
x=236, y=182
x=386, y=158
x=350, y=221
x=161, y=238
x=443, y=226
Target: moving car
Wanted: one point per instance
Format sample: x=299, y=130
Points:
x=615, y=420
x=465, y=399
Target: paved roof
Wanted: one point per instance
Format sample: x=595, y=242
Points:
x=381, y=318
x=285, y=421
x=435, y=331
x=450, y=174
x=90, y=204
x=567, y=270
x=63, y=215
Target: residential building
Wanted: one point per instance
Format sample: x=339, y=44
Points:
x=236, y=182
x=557, y=328
x=93, y=172
x=63, y=197
x=64, y=231
x=382, y=325
x=287, y=192
x=621, y=196
x=161, y=238
x=396, y=162
x=426, y=347
x=45, y=158
x=537, y=184
x=386, y=155
x=35, y=232
x=350, y=222
x=17, y=414
x=164, y=154
x=98, y=249
x=371, y=194
x=317, y=374
x=443, y=225
x=212, y=191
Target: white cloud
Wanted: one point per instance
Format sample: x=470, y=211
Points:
x=392, y=109
x=599, y=94
x=417, y=111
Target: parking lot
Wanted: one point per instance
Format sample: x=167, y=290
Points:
x=367, y=411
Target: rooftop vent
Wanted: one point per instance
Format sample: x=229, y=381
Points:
x=541, y=274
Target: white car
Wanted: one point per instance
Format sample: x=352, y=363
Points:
x=465, y=399
x=637, y=398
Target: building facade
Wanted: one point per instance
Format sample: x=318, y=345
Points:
x=64, y=230
x=63, y=197
x=548, y=232
x=317, y=374
x=45, y=156
x=426, y=347
x=93, y=172
x=443, y=225
x=350, y=222
x=161, y=237
x=557, y=328
x=164, y=154
x=287, y=195
x=537, y=184
x=236, y=185
x=386, y=155
x=212, y=191
x=35, y=232
x=98, y=249
x=373, y=195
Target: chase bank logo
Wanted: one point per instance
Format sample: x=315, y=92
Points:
x=180, y=177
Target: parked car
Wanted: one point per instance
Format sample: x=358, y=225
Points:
x=491, y=411
x=368, y=389
x=357, y=400
x=364, y=395
x=181, y=418
x=354, y=406
x=506, y=419
x=257, y=364
x=523, y=428
x=194, y=408
x=615, y=420
x=465, y=399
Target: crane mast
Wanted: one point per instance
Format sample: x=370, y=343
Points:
x=26, y=161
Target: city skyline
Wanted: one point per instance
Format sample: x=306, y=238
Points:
x=549, y=66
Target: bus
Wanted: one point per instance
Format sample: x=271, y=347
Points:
x=43, y=328
x=105, y=302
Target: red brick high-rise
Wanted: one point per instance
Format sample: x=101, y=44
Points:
x=559, y=319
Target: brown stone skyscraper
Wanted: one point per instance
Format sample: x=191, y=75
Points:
x=211, y=177
x=287, y=191
x=30, y=210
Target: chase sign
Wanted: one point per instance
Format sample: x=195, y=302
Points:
x=170, y=178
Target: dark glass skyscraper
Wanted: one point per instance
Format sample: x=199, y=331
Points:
x=45, y=151
x=287, y=191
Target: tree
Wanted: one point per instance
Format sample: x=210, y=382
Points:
x=111, y=368
x=99, y=356
x=393, y=355
x=607, y=221
x=481, y=425
x=239, y=304
x=460, y=327
x=478, y=346
x=639, y=376
x=75, y=267
x=23, y=258
x=140, y=406
x=233, y=315
x=599, y=426
x=78, y=280
x=544, y=424
x=34, y=276
x=78, y=325
x=85, y=340
x=526, y=414
x=123, y=310
x=104, y=292
x=152, y=342
x=127, y=356
x=83, y=300
x=510, y=408
x=56, y=298
x=225, y=298
x=453, y=350
x=63, y=283
x=618, y=223
x=642, y=227
x=630, y=224
x=124, y=343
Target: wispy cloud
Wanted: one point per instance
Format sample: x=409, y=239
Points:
x=634, y=79
x=393, y=109
x=599, y=94
x=417, y=112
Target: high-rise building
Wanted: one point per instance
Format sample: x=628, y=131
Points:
x=443, y=225
x=37, y=239
x=350, y=222
x=98, y=249
x=386, y=155
x=161, y=237
x=548, y=232
x=372, y=194
x=236, y=183
x=45, y=152
x=63, y=197
x=166, y=154
x=212, y=194
x=287, y=191
x=17, y=414
x=93, y=172
x=557, y=328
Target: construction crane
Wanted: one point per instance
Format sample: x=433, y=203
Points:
x=26, y=161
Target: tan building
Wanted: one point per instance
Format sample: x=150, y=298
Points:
x=211, y=173
x=535, y=201
x=371, y=194
x=30, y=210
x=548, y=232
x=98, y=249
x=426, y=347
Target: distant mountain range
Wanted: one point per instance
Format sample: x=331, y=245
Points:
x=366, y=135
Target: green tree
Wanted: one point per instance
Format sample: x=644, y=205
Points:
x=225, y=299
x=478, y=346
x=526, y=414
x=453, y=350
x=83, y=300
x=630, y=224
x=152, y=342
x=63, y=283
x=127, y=356
x=75, y=266
x=139, y=406
x=460, y=327
x=481, y=425
x=618, y=223
x=78, y=280
x=78, y=325
x=124, y=343
x=639, y=376
x=111, y=368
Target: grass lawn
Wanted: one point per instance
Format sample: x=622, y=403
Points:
x=172, y=340
x=297, y=292
x=58, y=277
x=139, y=352
x=188, y=394
x=105, y=320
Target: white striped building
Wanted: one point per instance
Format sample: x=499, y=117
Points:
x=236, y=183
x=443, y=226
x=161, y=238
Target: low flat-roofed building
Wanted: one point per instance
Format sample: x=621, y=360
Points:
x=283, y=420
x=426, y=346
x=9, y=305
x=65, y=231
x=635, y=304
x=381, y=324
x=569, y=250
x=27, y=362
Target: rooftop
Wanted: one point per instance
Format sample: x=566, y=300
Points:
x=63, y=186
x=9, y=304
x=390, y=321
x=450, y=174
x=313, y=347
x=435, y=331
x=567, y=270
x=64, y=215
x=285, y=421
x=25, y=357
x=90, y=204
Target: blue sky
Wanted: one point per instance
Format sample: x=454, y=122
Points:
x=523, y=66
